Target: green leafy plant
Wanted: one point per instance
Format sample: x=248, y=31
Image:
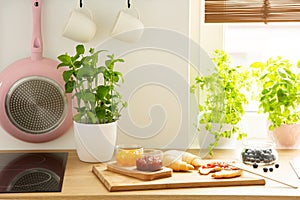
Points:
x=278, y=83
x=93, y=86
x=222, y=99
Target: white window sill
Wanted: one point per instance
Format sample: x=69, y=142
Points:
x=254, y=124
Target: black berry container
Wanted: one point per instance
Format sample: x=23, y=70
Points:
x=259, y=151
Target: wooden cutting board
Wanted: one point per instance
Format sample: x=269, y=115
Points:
x=118, y=182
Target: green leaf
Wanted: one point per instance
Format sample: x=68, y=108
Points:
x=120, y=75
x=115, y=78
x=89, y=97
x=69, y=86
x=91, y=50
x=102, y=91
x=281, y=95
x=92, y=117
x=66, y=59
x=108, y=64
x=288, y=81
x=265, y=91
x=241, y=136
x=101, y=69
x=80, y=49
x=77, y=117
x=67, y=75
x=77, y=64
x=263, y=76
x=85, y=71
x=287, y=71
x=61, y=65
x=101, y=113
x=282, y=73
x=257, y=65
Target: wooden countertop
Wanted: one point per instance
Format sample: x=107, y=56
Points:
x=81, y=184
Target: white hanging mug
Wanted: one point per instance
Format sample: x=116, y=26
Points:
x=128, y=27
x=80, y=26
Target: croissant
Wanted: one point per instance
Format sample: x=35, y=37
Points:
x=174, y=161
x=191, y=159
x=180, y=160
x=179, y=165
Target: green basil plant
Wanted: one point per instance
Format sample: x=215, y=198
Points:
x=222, y=98
x=278, y=83
x=93, y=86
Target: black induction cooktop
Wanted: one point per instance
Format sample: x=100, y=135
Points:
x=32, y=172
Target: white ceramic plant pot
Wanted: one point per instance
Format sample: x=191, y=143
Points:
x=286, y=136
x=95, y=142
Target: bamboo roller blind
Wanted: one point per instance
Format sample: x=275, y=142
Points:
x=227, y=11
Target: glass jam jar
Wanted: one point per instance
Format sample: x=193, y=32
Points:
x=127, y=154
x=260, y=151
x=150, y=160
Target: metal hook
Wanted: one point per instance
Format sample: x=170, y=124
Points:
x=128, y=3
x=80, y=3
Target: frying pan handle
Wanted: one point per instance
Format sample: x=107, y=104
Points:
x=36, y=43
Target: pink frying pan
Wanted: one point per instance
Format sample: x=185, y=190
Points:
x=33, y=105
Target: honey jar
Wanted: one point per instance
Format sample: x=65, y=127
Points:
x=127, y=154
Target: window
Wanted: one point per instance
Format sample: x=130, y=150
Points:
x=249, y=42
x=252, y=42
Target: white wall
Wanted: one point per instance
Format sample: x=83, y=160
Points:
x=172, y=15
x=176, y=16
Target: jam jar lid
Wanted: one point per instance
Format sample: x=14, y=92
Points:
x=260, y=151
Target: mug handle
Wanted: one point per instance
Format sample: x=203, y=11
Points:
x=136, y=11
x=82, y=8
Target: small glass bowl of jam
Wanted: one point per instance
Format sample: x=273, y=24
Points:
x=259, y=151
x=126, y=154
x=150, y=160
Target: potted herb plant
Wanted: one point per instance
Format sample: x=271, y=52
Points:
x=222, y=100
x=278, y=83
x=96, y=102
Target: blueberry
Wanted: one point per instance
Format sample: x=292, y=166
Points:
x=258, y=156
x=277, y=165
x=270, y=169
x=265, y=169
x=255, y=165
